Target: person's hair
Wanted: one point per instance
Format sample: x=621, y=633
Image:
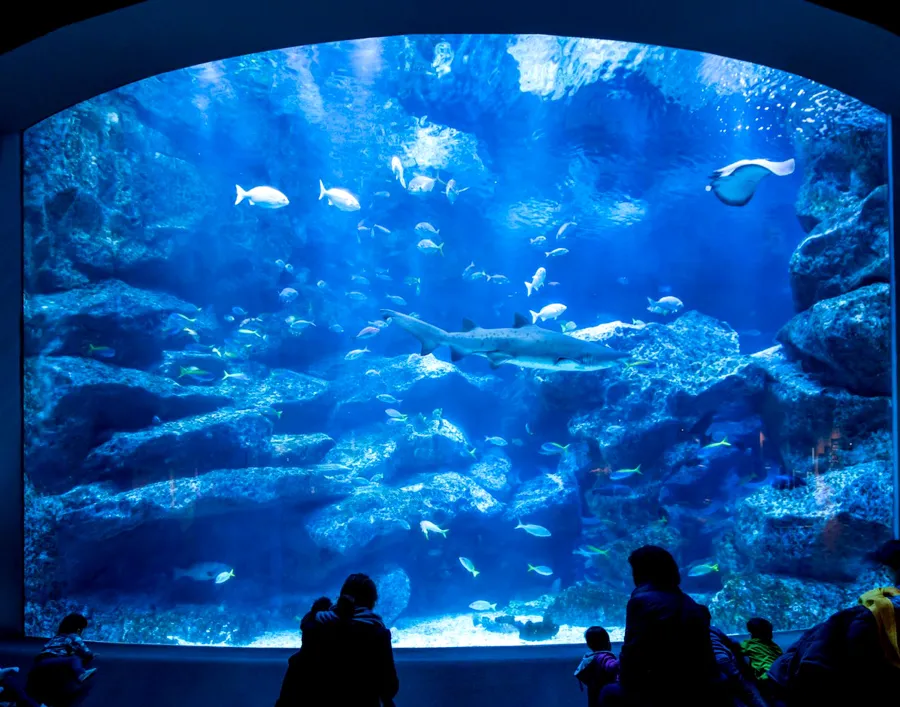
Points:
x=597, y=639
x=321, y=604
x=654, y=565
x=358, y=591
x=73, y=623
x=760, y=628
x=889, y=555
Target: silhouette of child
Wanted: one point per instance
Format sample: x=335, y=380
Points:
x=67, y=648
x=760, y=650
x=598, y=667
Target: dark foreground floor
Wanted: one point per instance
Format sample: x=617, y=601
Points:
x=157, y=676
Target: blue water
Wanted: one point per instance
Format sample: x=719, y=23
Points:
x=618, y=140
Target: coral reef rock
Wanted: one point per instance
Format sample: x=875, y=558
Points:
x=71, y=401
x=821, y=530
x=837, y=258
x=846, y=339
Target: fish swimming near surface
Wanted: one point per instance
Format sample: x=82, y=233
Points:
x=264, y=197
x=735, y=184
x=524, y=345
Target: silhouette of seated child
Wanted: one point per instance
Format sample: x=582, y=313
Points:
x=68, y=649
x=599, y=667
x=760, y=649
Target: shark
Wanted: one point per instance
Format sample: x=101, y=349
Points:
x=524, y=344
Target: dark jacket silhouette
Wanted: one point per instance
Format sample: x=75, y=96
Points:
x=839, y=661
x=667, y=655
x=345, y=661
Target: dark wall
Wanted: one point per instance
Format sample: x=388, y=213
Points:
x=11, y=506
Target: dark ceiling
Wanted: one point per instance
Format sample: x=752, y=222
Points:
x=33, y=20
x=37, y=19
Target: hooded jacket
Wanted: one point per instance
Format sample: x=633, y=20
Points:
x=597, y=670
x=839, y=661
x=342, y=661
x=667, y=650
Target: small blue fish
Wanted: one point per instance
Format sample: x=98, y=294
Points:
x=542, y=570
x=621, y=474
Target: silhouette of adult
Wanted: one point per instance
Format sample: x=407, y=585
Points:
x=346, y=657
x=667, y=656
x=850, y=658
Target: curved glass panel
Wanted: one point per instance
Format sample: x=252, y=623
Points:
x=482, y=315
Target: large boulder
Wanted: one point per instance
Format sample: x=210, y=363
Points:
x=590, y=604
x=94, y=209
x=800, y=413
x=299, y=450
x=73, y=404
x=841, y=166
x=130, y=325
x=98, y=511
x=393, y=593
x=790, y=603
x=403, y=449
x=692, y=370
x=838, y=257
x=820, y=530
x=550, y=500
x=226, y=439
x=846, y=339
x=376, y=517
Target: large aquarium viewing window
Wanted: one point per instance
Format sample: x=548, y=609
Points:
x=475, y=315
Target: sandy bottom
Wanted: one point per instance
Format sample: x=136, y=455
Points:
x=448, y=631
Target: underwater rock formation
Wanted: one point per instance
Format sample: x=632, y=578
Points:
x=840, y=256
x=841, y=167
x=693, y=368
x=847, y=339
x=98, y=511
x=112, y=314
x=386, y=514
x=160, y=435
x=238, y=439
x=393, y=593
x=821, y=530
x=802, y=414
x=70, y=398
